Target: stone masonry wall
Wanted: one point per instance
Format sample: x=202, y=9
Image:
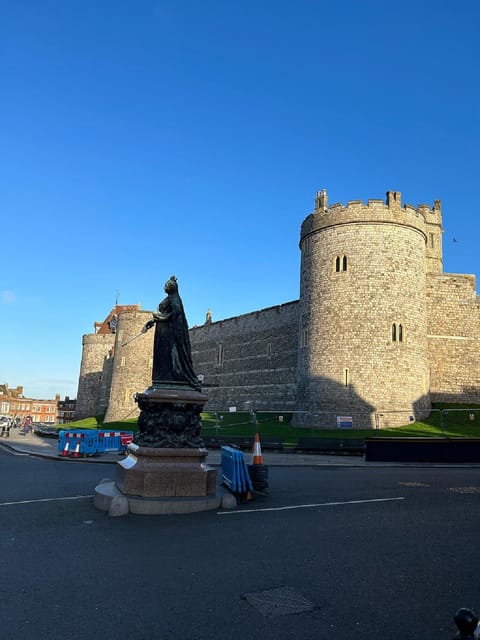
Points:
x=249, y=361
x=349, y=361
x=332, y=352
x=453, y=338
x=95, y=351
x=132, y=366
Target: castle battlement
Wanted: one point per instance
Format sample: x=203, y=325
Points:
x=375, y=211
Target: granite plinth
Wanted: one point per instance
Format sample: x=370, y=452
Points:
x=165, y=472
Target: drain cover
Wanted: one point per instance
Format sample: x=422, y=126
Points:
x=279, y=602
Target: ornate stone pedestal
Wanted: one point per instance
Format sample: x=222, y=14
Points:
x=165, y=470
x=161, y=472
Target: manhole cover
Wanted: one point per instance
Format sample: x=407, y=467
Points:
x=414, y=484
x=279, y=602
x=465, y=489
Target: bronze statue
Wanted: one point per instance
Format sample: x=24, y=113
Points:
x=172, y=355
x=171, y=407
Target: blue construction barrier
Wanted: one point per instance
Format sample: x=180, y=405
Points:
x=235, y=474
x=75, y=443
x=113, y=440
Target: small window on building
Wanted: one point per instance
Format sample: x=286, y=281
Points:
x=341, y=263
x=394, y=332
x=346, y=380
x=400, y=333
x=269, y=350
x=431, y=239
x=122, y=361
x=220, y=354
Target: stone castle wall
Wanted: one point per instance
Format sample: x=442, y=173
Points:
x=249, y=361
x=363, y=316
x=132, y=367
x=378, y=332
x=453, y=338
x=95, y=350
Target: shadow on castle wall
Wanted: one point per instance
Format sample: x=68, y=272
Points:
x=468, y=395
x=93, y=393
x=88, y=395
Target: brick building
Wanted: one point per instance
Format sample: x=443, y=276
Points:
x=14, y=404
x=66, y=410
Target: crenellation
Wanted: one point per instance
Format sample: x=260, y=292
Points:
x=394, y=199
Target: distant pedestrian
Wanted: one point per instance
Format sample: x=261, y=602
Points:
x=26, y=425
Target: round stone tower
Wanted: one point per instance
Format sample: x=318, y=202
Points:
x=132, y=365
x=96, y=349
x=363, y=327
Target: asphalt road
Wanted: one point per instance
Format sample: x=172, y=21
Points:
x=330, y=553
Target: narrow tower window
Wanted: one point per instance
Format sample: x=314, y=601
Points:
x=337, y=264
x=345, y=376
x=220, y=354
x=304, y=338
x=344, y=263
x=397, y=332
x=269, y=350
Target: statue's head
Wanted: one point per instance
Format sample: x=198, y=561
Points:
x=171, y=285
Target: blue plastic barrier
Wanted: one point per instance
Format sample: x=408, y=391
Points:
x=235, y=474
x=89, y=442
x=80, y=442
x=112, y=440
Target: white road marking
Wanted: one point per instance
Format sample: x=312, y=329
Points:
x=310, y=506
x=6, y=504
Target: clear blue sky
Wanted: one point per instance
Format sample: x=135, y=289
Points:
x=140, y=139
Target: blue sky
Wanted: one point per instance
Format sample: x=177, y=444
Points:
x=146, y=138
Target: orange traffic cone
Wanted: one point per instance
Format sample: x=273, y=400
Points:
x=76, y=453
x=65, y=449
x=257, y=451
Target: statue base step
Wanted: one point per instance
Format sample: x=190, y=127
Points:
x=108, y=497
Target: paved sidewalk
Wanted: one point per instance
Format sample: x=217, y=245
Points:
x=34, y=445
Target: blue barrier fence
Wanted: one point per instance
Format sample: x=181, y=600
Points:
x=235, y=474
x=77, y=443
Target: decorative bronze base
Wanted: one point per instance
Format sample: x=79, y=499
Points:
x=170, y=417
x=165, y=472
